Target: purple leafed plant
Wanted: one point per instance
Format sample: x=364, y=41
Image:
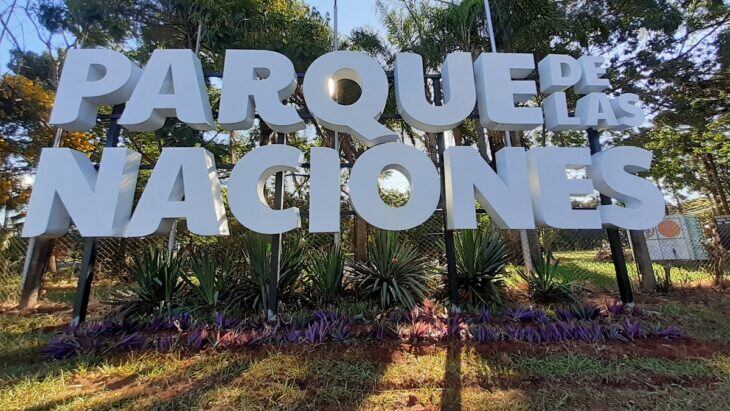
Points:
x=550, y=333
x=419, y=331
x=317, y=331
x=61, y=346
x=483, y=316
x=632, y=330
x=164, y=343
x=564, y=314
x=326, y=316
x=585, y=311
x=481, y=333
x=669, y=333
x=613, y=332
x=175, y=322
x=636, y=312
x=157, y=324
x=130, y=342
x=198, y=337
x=99, y=328
x=598, y=332
x=262, y=335
x=531, y=335
x=585, y=323
x=382, y=329
x=429, y=312
x=230, y=338
x=513, y=333
x=519, y=314
x=291, y=335
x=566, y=330
x=615, y=308
x=340, y=331
x=541, y=317
x=224, y=322
x=455, y=328
x=584, y=332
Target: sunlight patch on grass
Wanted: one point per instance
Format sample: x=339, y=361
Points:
x=467, y=398
x=415, y=371
x=698, y=321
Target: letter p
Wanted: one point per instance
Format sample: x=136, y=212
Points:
x=90, y=78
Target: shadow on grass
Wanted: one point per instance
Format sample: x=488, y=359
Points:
x=451, y=393
x=311, y=377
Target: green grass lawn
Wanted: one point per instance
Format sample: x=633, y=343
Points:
x=691, y=374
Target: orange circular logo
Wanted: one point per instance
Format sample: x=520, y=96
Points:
x=669, y=229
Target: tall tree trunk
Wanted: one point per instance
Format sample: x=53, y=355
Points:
x=720, y=187
x=643, y=260
x=360, y=226
x=482, y=142
x=496, y=143
x=232, y=148
x=459, y=135
x=431, y=146
x=266, y=133
x=33, y=272
x=52, y=267
x=361, y=239
x=714, y=183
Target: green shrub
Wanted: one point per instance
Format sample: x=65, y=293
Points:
x=210, y=281
x=481, y=256
x=544, y=283
x=325, y=274
x=250, y=290
x=394, y=273
x=158, y=282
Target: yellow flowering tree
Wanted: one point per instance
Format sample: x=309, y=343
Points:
x=24, y=130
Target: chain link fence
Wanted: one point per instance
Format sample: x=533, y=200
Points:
x=676, y=248
x=12, y=256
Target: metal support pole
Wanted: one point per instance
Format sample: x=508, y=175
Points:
x=88, y=262
x=272, y=301
x=335, y=47
x=448, y=234
x=86, y=277
x=614, y=237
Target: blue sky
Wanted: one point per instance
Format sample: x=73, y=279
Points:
x=352, y=13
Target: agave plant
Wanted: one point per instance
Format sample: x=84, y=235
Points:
x=158, y=281
x=394, y=273
x=208, y=281
x=481, y=256
x=325, y=274
x=544, y=284
x=251, y=288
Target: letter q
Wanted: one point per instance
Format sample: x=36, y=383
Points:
x=360, y=118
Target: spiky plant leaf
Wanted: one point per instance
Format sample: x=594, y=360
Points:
x=544, y=284
x=394, y=274
x=325, y=274
x=251, y=288
x=208, y=280
x=157, y=284
x=481, y=256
